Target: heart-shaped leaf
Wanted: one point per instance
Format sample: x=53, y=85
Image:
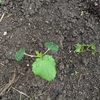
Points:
x=51, y=46
x=19, y=54
x=45, y=67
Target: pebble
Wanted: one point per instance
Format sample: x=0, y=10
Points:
x=28, y=65
x=5, y=33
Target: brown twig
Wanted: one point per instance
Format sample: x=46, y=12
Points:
x=21, y=93
x=8, y=15
x=79, y=79
x=31, y=98
x=13, y=80
x=96, y=88
x=2, y=17
x=2, y=64
x=42, y=93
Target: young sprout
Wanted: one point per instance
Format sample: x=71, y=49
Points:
x=85, y=47
x=44, y=65
x=74, y=73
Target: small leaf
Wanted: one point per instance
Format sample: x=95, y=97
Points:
x=93, y=46
x=74, y=73
x=51, y=46
x=39, y=54
x=78, y=47
x=19, y=54
x=45, y=67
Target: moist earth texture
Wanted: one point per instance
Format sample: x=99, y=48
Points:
x=29, y=24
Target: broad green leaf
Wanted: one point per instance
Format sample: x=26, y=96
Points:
x=45, y=67
x=93, y=47
x=78, y=47
x=51, y=46
x=19, y=54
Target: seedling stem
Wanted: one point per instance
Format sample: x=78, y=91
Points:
x=46, y=51
x=30, y=55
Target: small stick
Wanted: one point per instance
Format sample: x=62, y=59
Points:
x=8, y=85
x=42, y=93
x=21, y=93
x=8, y=15
x=2, y=17
x=20, y=97
x=2, y=64
x=79, y=79
x=96, y=88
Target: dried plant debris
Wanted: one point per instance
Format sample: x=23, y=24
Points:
x=93, y=7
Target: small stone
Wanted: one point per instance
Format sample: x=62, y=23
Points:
x=10, y=53
x=5, y=33
x=21, y=19
x=28, y=65
x=47, y=22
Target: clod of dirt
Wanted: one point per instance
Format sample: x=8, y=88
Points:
x=93, y=7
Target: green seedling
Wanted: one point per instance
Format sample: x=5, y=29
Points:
x=74, y=73
x=85, y=47
x=44, y=65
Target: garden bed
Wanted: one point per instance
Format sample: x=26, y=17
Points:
x=29, y=24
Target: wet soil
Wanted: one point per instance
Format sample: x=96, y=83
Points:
x=29, y=24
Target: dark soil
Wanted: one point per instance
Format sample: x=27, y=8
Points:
x=29, y=24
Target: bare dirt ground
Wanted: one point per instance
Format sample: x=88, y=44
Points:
x=29, y=24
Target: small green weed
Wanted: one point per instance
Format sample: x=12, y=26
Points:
x=44, y=65
x=74, y=73
x=85, y=47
